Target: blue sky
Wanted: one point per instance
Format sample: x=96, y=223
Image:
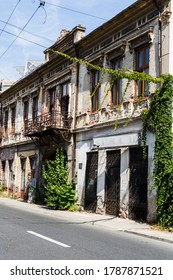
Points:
x=43, y=25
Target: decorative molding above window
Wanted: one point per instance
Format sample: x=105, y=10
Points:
x=97, y=61
x=116, y=51
x=142, y=38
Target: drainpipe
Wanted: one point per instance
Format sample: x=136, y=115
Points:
x=159, y=38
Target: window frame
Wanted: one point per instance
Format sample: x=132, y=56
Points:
x=34, y=108
x=140, y=86
x=116, y=87
x=13, y=119
x=65, y=95
x=96, y=97
x=51, y=99
x=6, y=118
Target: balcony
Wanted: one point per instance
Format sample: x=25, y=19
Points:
x=46, y=123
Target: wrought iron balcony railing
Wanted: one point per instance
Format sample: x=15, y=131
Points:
x=47, y=121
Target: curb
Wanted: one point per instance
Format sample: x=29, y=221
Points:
x=149, y=236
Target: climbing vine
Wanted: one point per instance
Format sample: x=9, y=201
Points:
x=158, y=120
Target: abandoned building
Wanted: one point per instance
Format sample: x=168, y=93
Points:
x=37, y=115
x=54, y=106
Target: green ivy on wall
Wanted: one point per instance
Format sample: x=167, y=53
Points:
x=157, y=119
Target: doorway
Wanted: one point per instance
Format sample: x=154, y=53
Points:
x=138, y=184
x=113, y=183
x=91, y=182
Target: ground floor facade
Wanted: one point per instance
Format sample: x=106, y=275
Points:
x=114, y=176
x=19, y=169
x=21, y=166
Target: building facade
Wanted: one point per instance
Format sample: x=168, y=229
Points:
x=113, y=176
x=72, y=105
x=36, y=119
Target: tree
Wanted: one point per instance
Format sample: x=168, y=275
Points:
x=59, y=193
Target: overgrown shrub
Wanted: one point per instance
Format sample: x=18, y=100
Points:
x=59, y=193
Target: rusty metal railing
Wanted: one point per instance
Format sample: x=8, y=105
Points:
x=55, y=120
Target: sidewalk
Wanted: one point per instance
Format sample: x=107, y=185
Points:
x=113, y=223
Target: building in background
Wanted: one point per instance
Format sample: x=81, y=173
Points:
x=5, y=84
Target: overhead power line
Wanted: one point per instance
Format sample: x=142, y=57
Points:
x=75, y=11
x=10, y=16
x=28, y=32
x=20, y=32
x=27, y=40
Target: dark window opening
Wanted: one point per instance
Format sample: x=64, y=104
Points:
x=142, y=65
x=116, y=90
x=35, y=109
x=96, y=91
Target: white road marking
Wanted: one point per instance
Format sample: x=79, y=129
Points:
x=48, y=239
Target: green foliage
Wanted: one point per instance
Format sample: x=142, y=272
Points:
x=1, y=189
x=119, y=73
x=158, y=119
x=59, y=193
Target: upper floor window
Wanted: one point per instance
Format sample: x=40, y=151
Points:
x=142, y=65
x=116, y=90
x=6, y=122
x=13, y=118
x=35, y=108
x=51, y=99
x=65, y=92
x=96, y=90
x=25, y=112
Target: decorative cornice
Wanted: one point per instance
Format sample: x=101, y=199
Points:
x=165, y=16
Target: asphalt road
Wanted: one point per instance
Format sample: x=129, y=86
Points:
x=32, y=236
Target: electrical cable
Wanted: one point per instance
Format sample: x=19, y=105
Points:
x=17, y=27
x=10, y=16
x=75, y=11
x=27, y=40
x=19, y=33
